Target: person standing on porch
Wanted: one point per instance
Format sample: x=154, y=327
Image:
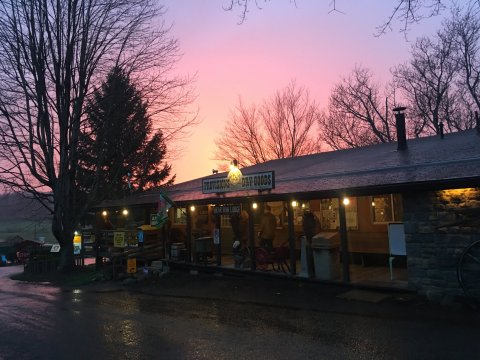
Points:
x=268, y=224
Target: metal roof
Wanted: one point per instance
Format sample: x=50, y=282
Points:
x=428, y=163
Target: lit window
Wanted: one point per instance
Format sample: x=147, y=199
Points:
x=225, y=221
x=180, y=216
x=329, y=218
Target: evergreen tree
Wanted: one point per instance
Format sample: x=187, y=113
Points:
x=120, y=152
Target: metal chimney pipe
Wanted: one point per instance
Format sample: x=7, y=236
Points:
x=401, y=131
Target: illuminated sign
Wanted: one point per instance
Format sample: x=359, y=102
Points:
x=257, y=181
x=226, y=210
x=77, y=244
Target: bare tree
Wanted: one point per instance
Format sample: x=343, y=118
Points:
x=52, y=54
x=406, y=12
x=281, y=127
x=243, y=7
x=427, y=82
x=458, y=108
x=464, y=29
x=243, y=137
x=410, y=12
x=358, y=114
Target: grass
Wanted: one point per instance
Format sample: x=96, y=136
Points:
x=77, y=277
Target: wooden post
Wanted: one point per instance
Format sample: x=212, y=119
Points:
x=188, y=236
x=251, y=236
x=291, y=240
x=344, y=240
x=218, y=246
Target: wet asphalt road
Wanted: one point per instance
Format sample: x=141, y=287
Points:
x=46, y=322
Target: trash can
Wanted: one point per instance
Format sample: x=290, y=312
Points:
x=306, y=259
x=326, y=255
x=177, y=251
x=203, y=249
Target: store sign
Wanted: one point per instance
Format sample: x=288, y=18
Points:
x=257, y=181
x=226, y=210
x=132, y=265
x=119, y=239
x=77, y=244
x=154, y=220
x=88, y=237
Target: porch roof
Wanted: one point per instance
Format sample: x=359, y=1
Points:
x=428, y=163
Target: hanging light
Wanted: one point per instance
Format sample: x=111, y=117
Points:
x=254, y=205
x=125, y=212
x=294, y=203
x=234, y=175
x=192, y=208
x=104, y=213
x=346, y=201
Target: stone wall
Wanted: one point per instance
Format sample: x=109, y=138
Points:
x=433, y=249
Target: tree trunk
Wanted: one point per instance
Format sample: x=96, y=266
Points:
x=64, y=235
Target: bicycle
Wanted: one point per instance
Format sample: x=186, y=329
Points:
x=468, y=270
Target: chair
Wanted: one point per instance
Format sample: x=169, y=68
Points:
x=263, y=259
x=280, y=256
x=396, y=242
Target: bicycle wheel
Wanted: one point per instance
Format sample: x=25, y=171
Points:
x=468, y=271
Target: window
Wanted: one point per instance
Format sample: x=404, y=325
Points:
x=298, y=212
x=329, y=215
x=225, y=221
x=387, y=208
x=180, y=216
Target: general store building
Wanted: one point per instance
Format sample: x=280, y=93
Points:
x=394, y=214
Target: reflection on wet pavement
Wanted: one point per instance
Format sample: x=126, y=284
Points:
x=45, y=322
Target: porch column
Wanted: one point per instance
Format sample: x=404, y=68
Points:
x=188, y=235
x=344, y=240
x=217, y=239
x=251, y=236
x=291, y=240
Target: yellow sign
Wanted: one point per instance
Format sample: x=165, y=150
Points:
x=131, y=238
x=77, y=244
x=132, y=266
x=119, y=239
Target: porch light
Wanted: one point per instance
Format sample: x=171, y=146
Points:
x=254, y=206
x=373, y=203
x=294, y=203
x=346, y=201
x=303, y=205
x=192, y=208
x=234, y=175
x=104, y=213
x=75, y=233
x=125, y=212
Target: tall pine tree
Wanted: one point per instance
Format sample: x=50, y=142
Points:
x=120, y=152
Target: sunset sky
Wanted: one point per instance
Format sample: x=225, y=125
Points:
x=273, y=46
